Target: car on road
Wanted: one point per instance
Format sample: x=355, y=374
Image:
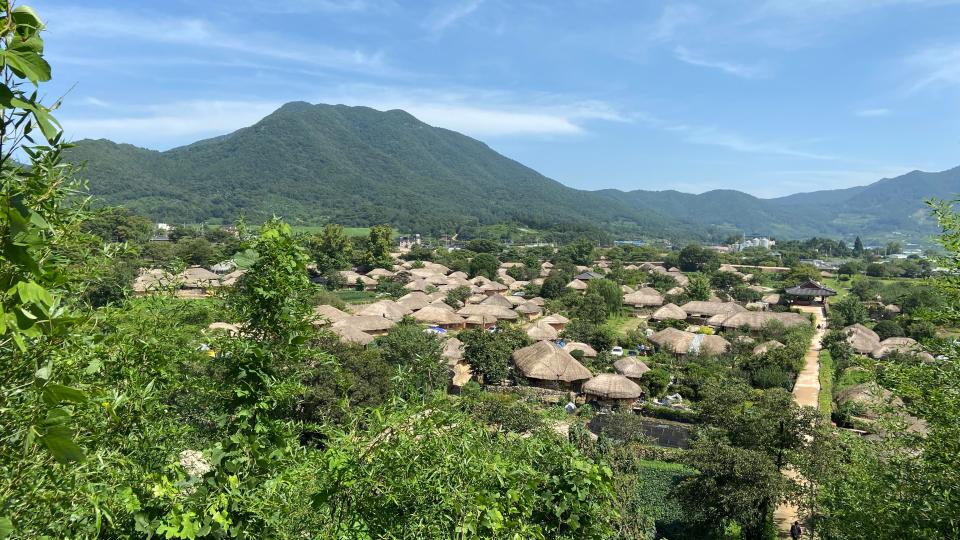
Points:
x=616, y=351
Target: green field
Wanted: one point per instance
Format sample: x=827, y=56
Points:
x=826, y=383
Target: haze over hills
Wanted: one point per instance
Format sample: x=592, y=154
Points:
x=314, y=164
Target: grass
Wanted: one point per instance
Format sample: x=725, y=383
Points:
x=349, y=231
x=623, y=324
x=356, y=297
x=825, y=399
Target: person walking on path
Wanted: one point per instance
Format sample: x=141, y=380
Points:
x=795, y=530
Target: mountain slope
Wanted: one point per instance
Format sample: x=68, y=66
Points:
x=314, y=164
x=353, y=165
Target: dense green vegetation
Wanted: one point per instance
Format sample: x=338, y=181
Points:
x=316, y=164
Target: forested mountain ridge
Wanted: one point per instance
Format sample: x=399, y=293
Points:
x=356, y=165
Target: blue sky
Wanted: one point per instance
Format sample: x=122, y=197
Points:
x=769, y=97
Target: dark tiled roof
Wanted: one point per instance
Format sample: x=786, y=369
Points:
x=810, y=288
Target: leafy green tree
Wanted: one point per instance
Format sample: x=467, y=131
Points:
x=579, y=251
x=457, y=296
x=725, y=281
x=119, y=225
x=801, y=273
x=419, y=353
x=876, y=270
x=484, y=245
x=858, y=247
x=850, y=268
x=331, y=249
x=848, y=311
x=695, y=258
x=592, y=308
x=196, y=251
x=888, y=329
x=609, y=291
x=379, y=244
x=699, y=288
x=484, y=264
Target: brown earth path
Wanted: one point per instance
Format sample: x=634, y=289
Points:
x=806, y=393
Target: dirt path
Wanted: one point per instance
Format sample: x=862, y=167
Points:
x=806, y=393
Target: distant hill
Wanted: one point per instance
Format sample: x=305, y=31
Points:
x=314, y=164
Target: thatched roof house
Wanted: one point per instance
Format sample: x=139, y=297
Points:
x=680, y=342
x=328, y=314
x=758, y=320
x=153, y=280
x=612, y=387
x=644, y=297
x=771, y=299
x=418, y=285
x=669, y=312
x=701, y=309
x=626, y=289
x=766, y=346
x=577, y=285
x=352, y=335
x=587, y=350
x=497, y=300
x=438, y=315
x=197, y=277
x=556, y=320
x=481, y=321
x=680, y=278
x=366, y=323
x=529, y=309
x=896, y=344
x=488, y=310
x=415, y=300
x=540, y=331
x=379, y=273
x=546, y=364
x=862, y=339
x=452, y=350
x=385, y=308
x=631, y=367
x=230, y=279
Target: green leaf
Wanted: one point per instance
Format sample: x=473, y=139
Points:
x=59, y=441
x=6, y=527
x=25, y=15
x=28, y=64
x=56, y=393
x=32, y=293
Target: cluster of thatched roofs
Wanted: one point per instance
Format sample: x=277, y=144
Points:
x=546, y=364
x=195, y=281
x=865, y=341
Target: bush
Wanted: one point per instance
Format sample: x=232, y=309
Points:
x=888, y=329
x=922, y=330
x=669, y=413
x=621, y=426
x=506, y=413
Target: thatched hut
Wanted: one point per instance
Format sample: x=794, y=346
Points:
x=862, y=339
x=669, y=312
x=704, y=310
x=415, y=300
x=682, y=343
x=328, y=314
x=421, y=285
x=493, y=287
x=488, y=310
x=631, y=367
x=350, y=334
x=766, y=346
x=497, y=300
x=896, y=344
x=529, y=310
x=587, y=350
x=452, y=351
x=540, y=331
x=577, y=285
x=626, y=289
x=758, y=320
x=378, y=273
x=230, y=279
x=643, y=297
x=439, y=316
x=680, y=278
x=153, y=280
x=385, y=308
x=480, y=321
x=366, y=323
x=546, y=365
x=197, y=277
x=556, y=320
x=612, y=389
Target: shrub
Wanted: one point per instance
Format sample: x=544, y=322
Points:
x=888, y=329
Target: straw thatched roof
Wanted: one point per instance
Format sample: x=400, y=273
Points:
x=231, y=329
x=626, y=289
x=540, y=330
x=365, y=323
x=675, y=291
x=462, y=372
x=518, y=285
x=435, y=314
x=230, y=279
x=680, y=342
x=481, y=320
x=197, y=277
x=415, y=300
x=538, y=301
x=494, y=286
x=528, y=308
x=505, y=278
x=869, y=394
x=516, y=300
x=680, y=278
x=459, y=275
x=152, y=280
x=379, y=273
x=329, y=314
x=862, y=339
x=546, y=362
x=645, y=296
x=452, y=350
x=892, y=308
x=587, y=350
x=497, y=312
x=497, y=300
x=669, y=312
x=631, y=366
x=385, y=308
x=612, y=386
x=771, y=298
x=352, y=335
x=555, y=318
x=418, y=285
x=767, y=346
x=709, y=309
x=577, y=285
x=757, y=320
x=896, y=344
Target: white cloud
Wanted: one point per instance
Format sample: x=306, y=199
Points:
x=441, y=20
x=673, y=18
x=868, y=113
x=94, y=102
x=189, y=119
x=746, y=71
x=712, y=136
x=935, y=67
x=198, y=33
